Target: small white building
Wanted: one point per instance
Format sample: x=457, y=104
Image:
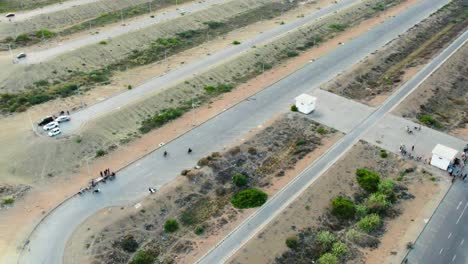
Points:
x=442, y=156
x=306, y=103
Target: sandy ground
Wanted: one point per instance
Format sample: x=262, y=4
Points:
x=445, y=96
x=138, y=148
x=340, y=180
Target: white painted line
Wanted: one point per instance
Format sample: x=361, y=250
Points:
x=461, y=243
x=454, y=257
x=458, y=206
x=138, y=205
x=449, y=236
x=440, y=252
x=462, y=213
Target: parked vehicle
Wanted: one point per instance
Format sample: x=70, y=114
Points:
x=63, y=118
x=54, y=132
x=10, y=15
x=50, y=126
x=46, y=120
x=21, y=55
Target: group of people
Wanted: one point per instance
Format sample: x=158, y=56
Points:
x=410, y=131
x=105, y=175
x=409, y=154
x=457, y=168
x=166, y=153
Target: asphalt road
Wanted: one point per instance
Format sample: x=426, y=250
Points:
x=81, y=117
x=47, y=242
x=443, y=238
x=222, y=251
x=76, y=43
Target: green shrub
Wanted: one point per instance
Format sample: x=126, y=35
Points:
x=23, y=38
x=337, y=27
x=361, y=211
x=322, y=130
x=129, y=244
x=143, y=257
x=214, y=24
x=102, y=42
x=292, y=53
x=249, y=198
x=187, y=218
x=218, y=89
x=383, y=154
x=171, y=226
x=328, y=258
x=430, y=121
x=294, y=108
x=370, y=223
x=199, y=230
x=387, y=187
x=377, y=203
x=240, y=180
x=188, y=34
x=343, y=208
x=339, y=249
x=292, y=242
x=325, y=239
x=353, y=235
x=129, y=87
x=100, y=153
x=8, y=200
x=236, y=42
x=301, y=142
x=161, y=118
x=368, y=180
x=44, y=33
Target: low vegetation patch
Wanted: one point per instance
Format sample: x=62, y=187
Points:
x=249, y=198
x=171, y=226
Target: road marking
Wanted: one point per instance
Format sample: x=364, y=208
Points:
x=454, y=257
x=462, y=213
x=449, y=236
x=458, y=206
x=461, y=243
x=440, y=252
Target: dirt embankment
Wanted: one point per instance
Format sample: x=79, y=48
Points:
x=200, y=200
x=374, y=79
x=61, y=20
x=441, y=102
x=7, y=6
x=98, y=56
x=311, y=211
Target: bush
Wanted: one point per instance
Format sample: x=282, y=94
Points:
x=322, y=131
x=218, y=89
x=161, y=118
x=143, y=257
x=199, y=230
x=383, y=154
x=377, y=203
x=23, y=38
x=291, y=242
x=337, y=27
x=343, y=208
x=8, y=200
x=214, y=24
x=294, y=108
x=430, y=121
x=236, y=42
x=387, y=187
x=353, y=235
x=339, y=249
x=239, y=180
x=325, y=239
x=368, y=180
x=249, y=198
x=129, y=244
x=187, y=218
x=102, y=42
x=361, y=211
x=100, y=153
x=44, y=33
x=171, y=226
x=292, y=53
x=328, y=258
x=369, y=223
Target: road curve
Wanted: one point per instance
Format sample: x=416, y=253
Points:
x=47, y=242
x=222, y=251
x=94, y=111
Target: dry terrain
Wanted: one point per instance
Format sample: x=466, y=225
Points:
x=378, y=76
x=311, y=210
x=199, y=199
x=441, y=101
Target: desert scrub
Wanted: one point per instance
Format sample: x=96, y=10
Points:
x=171, y=225
x=8, y=200
x=161, y=118
x=383, y=154
x=100, y=153
x=236, y=42
x=328, y=258
x=370, y=223
x=368, y=180
x=377, y=203
x=240, y=180
x=294, y=108
x=343, y=208
x=292, y=242
x=339, y=249
x=430, y=121
x=143, y=257
x=249, y=198
x=325, y=239
x=221, y=88
x=128, y=243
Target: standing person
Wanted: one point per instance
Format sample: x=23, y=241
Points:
x=68, y=112
x=412, y=148
x=189, y=151
x=100, y=173
x=165, y=153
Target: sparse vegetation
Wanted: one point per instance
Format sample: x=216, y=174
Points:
x=291, y=242
x=143, y=257
x=328, y=258
x=100, y=153
x=370, y=223
x=368, y=180
x=294, y=108
x=162, y=118
x=129, y=244
x=240, y=180
x=171, y=226
x=249, y=198
x=383, y=154
x=325, y=239
x=430, y=121
x=236, y=42
x=343, y=208
x=337, y=27
x=8, y=200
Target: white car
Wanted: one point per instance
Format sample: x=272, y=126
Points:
x=55, y=132
x=21, y=55
x=50, y=126
x=63, y=118
x=10, y=15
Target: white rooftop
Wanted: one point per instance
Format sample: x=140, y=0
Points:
x=306, y=98
x=444, y=151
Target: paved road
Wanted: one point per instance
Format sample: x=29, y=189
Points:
x=81, y=117
x=221, y=252
x=445, y=238
x=49, y=238
x=45, y=54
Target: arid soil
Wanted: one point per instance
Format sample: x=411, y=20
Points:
x=201, y=199
x=312, y=206
x=378, y=76
x=443, y=97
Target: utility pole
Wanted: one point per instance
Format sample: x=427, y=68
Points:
x=11, y=53
x=121, y=16
x=149, y=6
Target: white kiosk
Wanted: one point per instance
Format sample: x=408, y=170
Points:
x=442, y=156
x=306, y=103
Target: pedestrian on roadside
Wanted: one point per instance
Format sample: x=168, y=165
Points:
x=453, y=179
x=189, y=151
x=108, y=171
x=100, y=173
x=165, y=153
x=464, y=177
x=68, y=112
x=412, y=148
